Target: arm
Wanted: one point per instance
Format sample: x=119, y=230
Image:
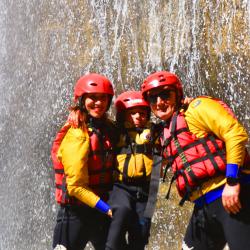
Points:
x=208, y=116
x=73, y=153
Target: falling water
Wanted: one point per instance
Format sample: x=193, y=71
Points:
x=46, y=45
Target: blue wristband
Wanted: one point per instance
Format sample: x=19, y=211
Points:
x=102, y=206
x=232, y=170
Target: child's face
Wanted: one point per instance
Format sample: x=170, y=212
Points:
x=96, y=104
x=137, y=116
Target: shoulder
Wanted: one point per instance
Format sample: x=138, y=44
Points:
x=77, y=133
x=207, y=105
x=201, y=101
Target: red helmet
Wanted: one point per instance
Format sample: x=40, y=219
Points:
x=93, y=83
x=130, y=99
x=162, y=78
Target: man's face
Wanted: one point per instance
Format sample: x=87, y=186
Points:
x=162, y=102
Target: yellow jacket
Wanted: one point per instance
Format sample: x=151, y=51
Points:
x=205, y=116
x=139, y=164
x=73, y=153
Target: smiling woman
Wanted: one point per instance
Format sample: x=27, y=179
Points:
x=83, y=160
x=96, y=104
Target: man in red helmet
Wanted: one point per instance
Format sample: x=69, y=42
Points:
x=132, y=173
x=205, y=146
x=83, y=158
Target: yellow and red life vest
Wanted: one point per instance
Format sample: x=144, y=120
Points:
x=100, y=161
x=100, y=164
x=60, y=182
x=193, y=159
x=134, y=155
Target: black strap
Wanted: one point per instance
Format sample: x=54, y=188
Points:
x=186, y=164
x=65, y=195
x=59, y=170
x=125, y=167
x=137, y=149
x=174, y=177
x=128, y=157
x=188, y=189
x=168, y=165
x=154, y=186
x=101, y=152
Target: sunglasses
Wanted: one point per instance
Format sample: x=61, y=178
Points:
x=164, y=95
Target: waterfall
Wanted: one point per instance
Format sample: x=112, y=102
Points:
x=46, y=45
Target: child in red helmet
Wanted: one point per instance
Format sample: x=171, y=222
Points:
x=83, y=159
x=132, y=173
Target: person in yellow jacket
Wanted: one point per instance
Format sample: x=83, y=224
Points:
x=205, y=146
x=87, y=156
x=132, y=174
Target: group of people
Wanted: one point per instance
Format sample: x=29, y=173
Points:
x=106, y=171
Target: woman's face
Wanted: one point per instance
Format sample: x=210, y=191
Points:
x=162, y=102
x=96, y=104
x=137, y=116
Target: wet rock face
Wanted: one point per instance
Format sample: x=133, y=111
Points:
x=46, y=45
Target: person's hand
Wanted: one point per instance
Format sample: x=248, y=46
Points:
x=109, y=213
x=230, y=198
x=75, y=118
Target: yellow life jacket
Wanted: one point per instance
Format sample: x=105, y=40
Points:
x=134, y=155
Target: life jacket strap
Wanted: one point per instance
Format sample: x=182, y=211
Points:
x=137, y=149
x=154, y=186
x=59, y=171
x=168, y=165
x=170, y=185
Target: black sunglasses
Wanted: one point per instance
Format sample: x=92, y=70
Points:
x=164, y=95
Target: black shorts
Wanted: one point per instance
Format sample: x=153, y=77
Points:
x=128, y=208
x=78, y=225
x=211, y=227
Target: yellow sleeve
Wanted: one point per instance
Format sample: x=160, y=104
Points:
x=206, y=116
x=73, y=153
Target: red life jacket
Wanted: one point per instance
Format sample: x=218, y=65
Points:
x=60, y=182
x=100, y=162
x=100, y=165
x=193, y=159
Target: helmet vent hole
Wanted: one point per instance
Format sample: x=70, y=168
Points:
x=93, y=84
x=126, y=100
x=162, y=80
